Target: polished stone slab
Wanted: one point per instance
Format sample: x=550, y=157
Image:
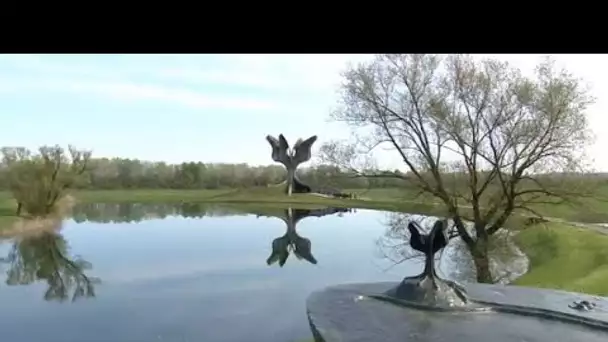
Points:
x=350, y=313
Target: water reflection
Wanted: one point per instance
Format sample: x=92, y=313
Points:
x=507, y=262
x=182, y=279
x=44, y=257
x=291, y=242
x=137, y=212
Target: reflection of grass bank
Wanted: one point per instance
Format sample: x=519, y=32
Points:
x=31, y=227
x=565, y=257
x=258, y=197
x=12, y=225
x=561, y=256
x=381, y=199
x=271, y=196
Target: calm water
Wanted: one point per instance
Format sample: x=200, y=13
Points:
x=187, y=273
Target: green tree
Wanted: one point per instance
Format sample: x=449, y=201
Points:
x=39, y=181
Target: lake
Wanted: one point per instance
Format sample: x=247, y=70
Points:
x=186, y=272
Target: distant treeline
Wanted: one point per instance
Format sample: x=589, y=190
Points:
x=117, y=173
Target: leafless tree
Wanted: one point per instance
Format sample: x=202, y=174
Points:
x=477, y=136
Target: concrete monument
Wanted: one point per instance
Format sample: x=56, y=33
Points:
x=291, y=159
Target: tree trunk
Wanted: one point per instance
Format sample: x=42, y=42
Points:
x=482, y=267
x=481, y=259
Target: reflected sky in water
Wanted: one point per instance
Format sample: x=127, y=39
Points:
x=193, y=279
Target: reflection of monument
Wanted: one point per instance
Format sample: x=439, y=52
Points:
x=291, y=158
x=43, y=257
x=427, y=308
x=291, y=242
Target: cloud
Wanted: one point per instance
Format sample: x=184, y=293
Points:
x=284, y=73
x=300, y=87
x=242, y=82
x=49, y=66
x=184, y=97
x=126, y=91
x=230, y=77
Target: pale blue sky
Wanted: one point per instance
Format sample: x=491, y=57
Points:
x=213, y=108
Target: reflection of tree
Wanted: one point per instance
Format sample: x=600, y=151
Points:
x=44, y=258
x=394, y=245
x=506, y=261
x=136, y=212
x=291, y=242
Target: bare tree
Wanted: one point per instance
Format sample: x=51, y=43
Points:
x=475, y=135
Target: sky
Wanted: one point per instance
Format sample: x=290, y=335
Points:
x=212, y=108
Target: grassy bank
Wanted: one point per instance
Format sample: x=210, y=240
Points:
x=565, y=257
x=382, y=199
x=589, y=210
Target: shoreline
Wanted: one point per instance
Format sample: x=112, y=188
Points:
x=563, y=255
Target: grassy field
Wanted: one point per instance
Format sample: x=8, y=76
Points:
x=562, y=256
x=565, y=257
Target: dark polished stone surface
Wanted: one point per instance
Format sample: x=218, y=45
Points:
x=347, y=313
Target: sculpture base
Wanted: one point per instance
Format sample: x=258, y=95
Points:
x=503, y=313
x=418, y=292
x=298, y=187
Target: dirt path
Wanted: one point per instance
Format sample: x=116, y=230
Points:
x=598, y=227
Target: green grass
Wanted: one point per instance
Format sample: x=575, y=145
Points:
x=7, y=209
x=565, y=257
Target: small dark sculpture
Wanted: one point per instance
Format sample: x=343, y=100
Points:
x=291, y=242
x=428, y=288
x=291, y=158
